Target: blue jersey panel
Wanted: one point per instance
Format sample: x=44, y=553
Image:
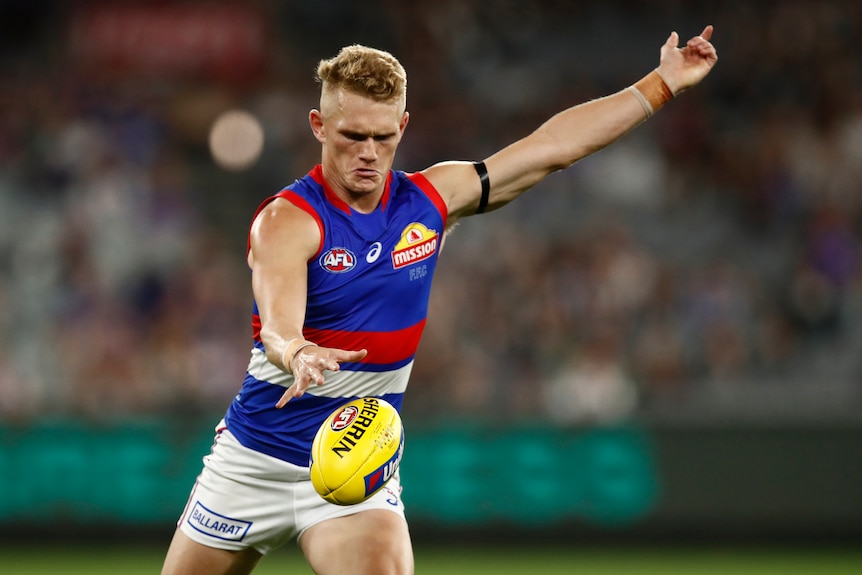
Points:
x=368, y=288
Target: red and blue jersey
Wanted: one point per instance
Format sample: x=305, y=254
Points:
x=368, y=287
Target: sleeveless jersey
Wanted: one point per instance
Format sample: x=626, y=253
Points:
x=368, y=287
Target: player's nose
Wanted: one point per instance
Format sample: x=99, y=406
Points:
x=368, y=149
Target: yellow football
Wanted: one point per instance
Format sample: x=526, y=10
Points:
x=356, y=451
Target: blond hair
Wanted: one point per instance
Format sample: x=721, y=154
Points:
x=366, y=71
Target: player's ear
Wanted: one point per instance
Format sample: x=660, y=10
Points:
x=315, y=120
x=404, y=119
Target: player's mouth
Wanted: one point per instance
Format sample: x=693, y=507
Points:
x=366, y=173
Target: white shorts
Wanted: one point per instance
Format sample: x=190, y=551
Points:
x=244, y=498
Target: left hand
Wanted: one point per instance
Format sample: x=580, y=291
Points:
x=682, y=68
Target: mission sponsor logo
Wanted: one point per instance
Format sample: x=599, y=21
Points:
x=417, y=243
x=338, y=260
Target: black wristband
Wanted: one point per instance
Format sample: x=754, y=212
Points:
x=486, y=185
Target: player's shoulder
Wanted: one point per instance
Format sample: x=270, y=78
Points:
x=457, y=182
x=448, y=173
x=284, y=226
x=287, y=210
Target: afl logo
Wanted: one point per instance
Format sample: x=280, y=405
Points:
x=338, y=260
x=344, y=418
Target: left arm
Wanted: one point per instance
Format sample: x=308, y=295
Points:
x=576, y=132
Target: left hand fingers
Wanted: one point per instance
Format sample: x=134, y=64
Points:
x=699, y=42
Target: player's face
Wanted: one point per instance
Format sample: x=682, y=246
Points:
x=359, y=137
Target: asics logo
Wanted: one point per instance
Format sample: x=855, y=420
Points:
x=374, y=252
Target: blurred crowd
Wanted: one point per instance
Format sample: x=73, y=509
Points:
x=705, y=267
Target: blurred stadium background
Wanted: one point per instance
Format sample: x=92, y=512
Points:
x=662, y=344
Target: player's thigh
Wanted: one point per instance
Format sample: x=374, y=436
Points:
x=370, y=542
x=188, y=557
